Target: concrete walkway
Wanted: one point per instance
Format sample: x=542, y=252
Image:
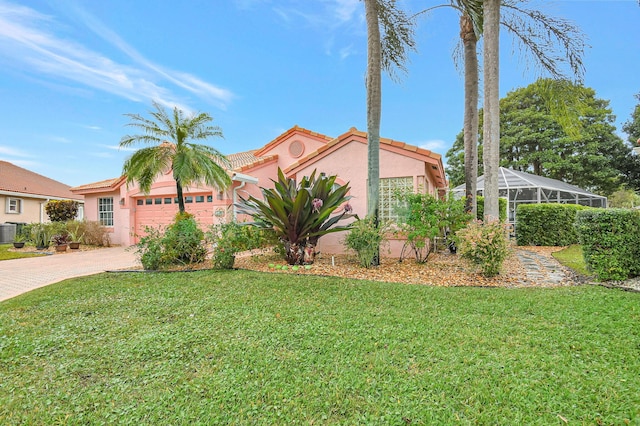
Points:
x=19, y=276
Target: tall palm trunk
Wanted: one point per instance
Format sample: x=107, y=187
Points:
x=470, y=42
x=491, y=128
x=374, y=107
x=181, y=208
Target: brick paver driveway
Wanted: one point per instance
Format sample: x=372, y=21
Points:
x=19, y=276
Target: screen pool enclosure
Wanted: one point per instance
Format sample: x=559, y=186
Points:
x=525, y=188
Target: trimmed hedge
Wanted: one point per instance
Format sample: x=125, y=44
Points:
x=546, y=224
x=610, y=241
x=502, y=207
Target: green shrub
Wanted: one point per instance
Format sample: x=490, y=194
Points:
x=546, y=224
x=150, y=249
x=40, y=235
x=365, y=239
x=502, y=208
x=610, y=241
x=423, y=217
x=75, y=231
x=486, y=245
x=61, y=210
x=183, y=241
x=228, y=239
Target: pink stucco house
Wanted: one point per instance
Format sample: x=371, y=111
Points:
x=126, y=211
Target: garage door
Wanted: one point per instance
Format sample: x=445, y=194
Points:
x=159, y=211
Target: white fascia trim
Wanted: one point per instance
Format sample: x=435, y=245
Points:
x=239, y=177
x=40, y=197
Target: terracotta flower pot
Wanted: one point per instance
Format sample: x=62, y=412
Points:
x=61, y=247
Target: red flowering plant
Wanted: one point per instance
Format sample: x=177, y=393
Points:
x=300, y=213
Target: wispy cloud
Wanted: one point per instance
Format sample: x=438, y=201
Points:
x=332, y=17
x=119, y=148
x=101, y=154
x=17, y=157
x=10, y=151
x=436, y=145
x=59, y=139
x=28, y=40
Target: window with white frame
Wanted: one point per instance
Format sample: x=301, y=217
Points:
x=105, y=211
x=389, y=189
x=14, y=206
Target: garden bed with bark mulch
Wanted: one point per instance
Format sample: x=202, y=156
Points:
x=441, y=269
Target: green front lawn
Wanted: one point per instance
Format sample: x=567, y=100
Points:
x=5, y=254
x=572, y=257
x=242, y=347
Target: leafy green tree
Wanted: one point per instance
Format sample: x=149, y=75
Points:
x=300, y=213
x=171, y=135
x=534, y=141
x=624, y=198
x=632, y=166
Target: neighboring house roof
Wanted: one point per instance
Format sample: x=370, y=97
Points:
x=17, y=180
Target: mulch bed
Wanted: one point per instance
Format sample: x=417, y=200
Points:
x=441, y=269
x=52, y=249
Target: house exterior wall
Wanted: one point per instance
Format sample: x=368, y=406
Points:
x=298, y=154
x=354, y=170
x=32, y=209
x=285, y=148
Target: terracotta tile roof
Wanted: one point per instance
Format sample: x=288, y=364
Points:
x=355, y=132
x=17, y=179
x=103, y=184
x=294, y=129
x=242, y=161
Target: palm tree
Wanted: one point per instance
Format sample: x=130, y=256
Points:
x=170, y=136
x=535, y=32
x=384, y=51
x=469, y=35
x=491, y=123
x=374, y=106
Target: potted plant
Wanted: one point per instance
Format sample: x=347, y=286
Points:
x=40, y=236
x=19, y=240
x=75, y=237
x=60, y=241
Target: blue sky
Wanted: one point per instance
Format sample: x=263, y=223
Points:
x=70, y=70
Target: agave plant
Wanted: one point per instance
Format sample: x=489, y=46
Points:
x=300, y=213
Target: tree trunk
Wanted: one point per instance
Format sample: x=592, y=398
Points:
x=491, y=153
x=374, y=107
x=180, y=196
x=471, y=88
